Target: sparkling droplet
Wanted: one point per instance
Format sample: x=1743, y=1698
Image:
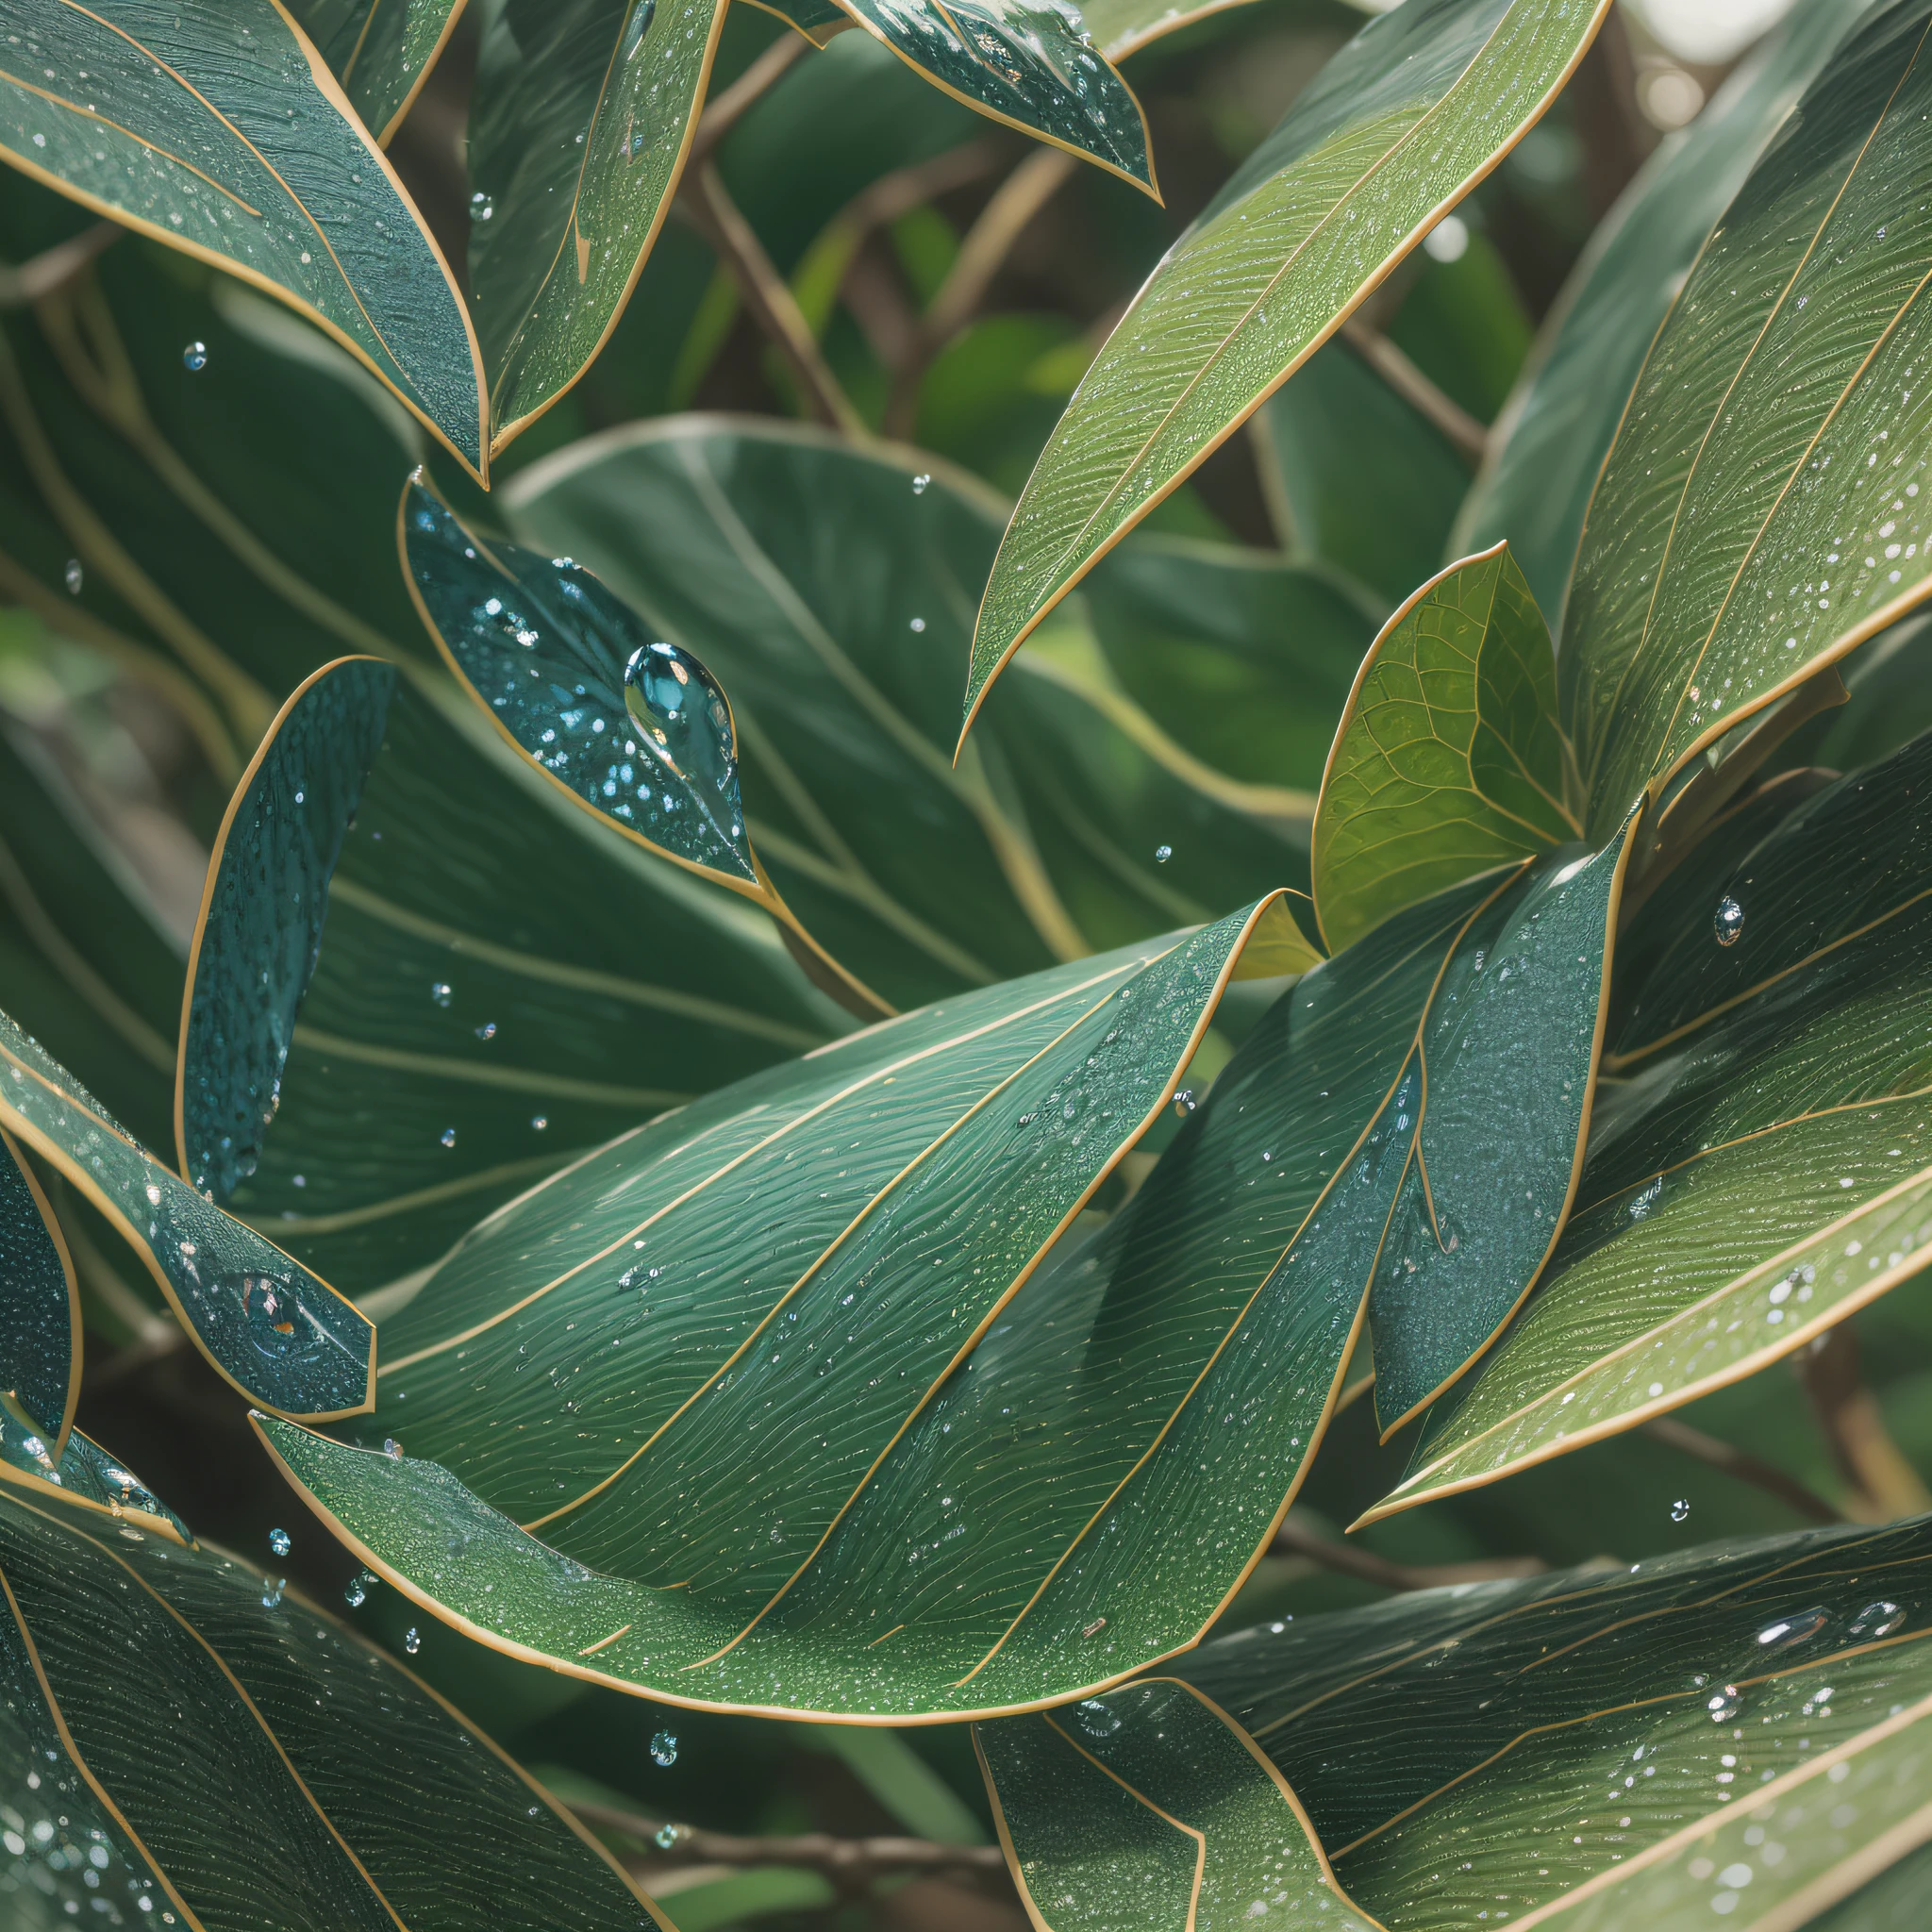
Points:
x=1680, y=1510
x=540, y=1121
x=686, y=724
x=1095, y=1719
x=481, y=207
x=392, y=1448
x=1725, y=1705
x=440, y=992
x=412, y=1640
x=280, y=1541
x=663, y=1748
x=1184, y=1102
x=76, y=577
x=919, y=484
x=918, y=624
x=1876, y=1620
x=356, y=1594
x=640, y=24
x=486, y=1031
x=1799, y=1627
x=666, y=1837
x=271, y=1589
x=448, y=1137
x=1162, y=854
x=1728, y=921
x=195, y=358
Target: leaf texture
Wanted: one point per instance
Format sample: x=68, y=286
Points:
x=380, y=50
x=39, y=1341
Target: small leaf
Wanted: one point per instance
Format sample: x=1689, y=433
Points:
x=286, y=189
x=381, y=54
x=39, y=1343
x=1448, y=759
x=1419, y=107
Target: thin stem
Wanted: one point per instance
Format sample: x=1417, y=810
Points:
x=1744, y=1466
x=723, y=110
x=1415, y=389
x=1351, y=1559
x=1875, y=1469
x=38, y=278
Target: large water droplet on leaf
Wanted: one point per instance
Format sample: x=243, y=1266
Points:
x=1728, y=921
x=639, y=25
x=687, y=724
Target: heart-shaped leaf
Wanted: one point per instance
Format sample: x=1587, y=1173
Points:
x=285, y=188
x=1761, y=1160
x=381, y=54
x=1449, y=760
x=1416, y=110
x=39, y=1341
x=1760, y=512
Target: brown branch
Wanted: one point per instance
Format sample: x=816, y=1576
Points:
x=38, y=278
x=1351, y=1559
x=848, y=1862
x=1741, y=1464
x=1873, y=1465
x=1415, y=389
x=723, y=110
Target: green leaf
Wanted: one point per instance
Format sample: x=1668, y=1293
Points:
x=1777, y=430
x=433, y=1019
x=817, y=20
x=1032, y=65
x=1124, y=27
x=1245, y=660
x=1153, y=1794
x=750, y=1325
x=1550, y=442
x=1448, y=761
x=40, y=1345
x=251, y=1763
x=1420, y=105
x=830, y=590
x=287, y=190
x=583, y=113
x=1760, y=1164
x=381, y=54
x=274, y=1330
x=1369, y=485
x=1588, y=1749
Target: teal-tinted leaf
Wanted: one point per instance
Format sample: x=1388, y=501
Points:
x=252, y=1763
x=1422, y=104
x=40, y=1339
x=1369, y=485
x=725, y=1351
x=440, y=981
x=1245, y=660
x=1759, y=512
x=1153, y=1795
x=1550, y=442
x=1760, y=1164
x=1613, y=1750
x=830, y=590
x=82, y=1471
x=286, y=189
x=282, y=1337
x=1030, y=63
x=583, y=113
x=381, y=53
x=817, y=20
x=1448, y=761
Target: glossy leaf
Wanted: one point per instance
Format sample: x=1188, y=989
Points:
x=830, y=591
x=39, y=1340
x=1420, y=105
x=286, y=190
x=582, y=116
x=1591, y=1749
x=381, y=53
x=1030, y=63
x=424, y=981
x=746, y=1323
x=272, y=1329
x=1760, y=1164
x=254, y=1763
x=1124, y=27
x=1153, y=1801
x=1550, y=442
x=1448, y=761
x=1776, y=430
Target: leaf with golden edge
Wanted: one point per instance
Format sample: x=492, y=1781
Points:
x=380, y=50
x=40, y=1345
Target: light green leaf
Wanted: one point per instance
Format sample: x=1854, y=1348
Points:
x=1448, y=761
x=830, y=590
x=1152, y=1801
x=1030, y=63
x=583, y=113
x=381, y=53
x=274, y=1330
x=252, y=1762
x=286, y=188
x=1124, y=27
x=1549, y=442
x=1759, y=512
x=396, y=1025
x=817, y=20
x=750, y=1326
x=39, y=1340
x=1586, y=1749
x=1760, y=1164
x=1420, y=105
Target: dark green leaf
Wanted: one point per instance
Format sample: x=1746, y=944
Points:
x=286, y=189
x=1760, y=1163
x=39, y=1343
x=1758, y=513
x=381, y=54
x=1449, y=761
x=817, y=20
x=1422, y=104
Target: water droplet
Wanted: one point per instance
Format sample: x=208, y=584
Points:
x=1184, y=1102
x=641, y=19
x=666, y=1837
x=280, y=1541
x=1799, y=1627
x=392, y=1448
x=412, y=1640
x=448, y=1137
x=195, y=358
x=1680, y=1510
x=663, y=1748
x=271, y=1589
x=1095, y=1719
x=356, y=1594
x=1725, y=1705
x=1876, y=1620
x=686, y=724
x=277, y=1325
x=917, y=626
x=540, y=1121
x=486, y=1031
x=76, y=577
x=440, y=992
x=1162, y=854
x=1728, y=921
x=919, y=484
x=481, y=207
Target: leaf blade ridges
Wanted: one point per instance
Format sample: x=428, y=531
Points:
x=382, y=55
x=39, y=1344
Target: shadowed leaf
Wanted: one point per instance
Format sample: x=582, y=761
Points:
x=380, y=50
x=40, y=1342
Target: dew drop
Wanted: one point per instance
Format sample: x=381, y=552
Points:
x=448, y=1137
x=412, y=1640
x=1876, y=1620
x=1680, y=1510
x=663, y=1748
x=195, y=358
x=356, y=1594
x=481, y=207
x=919, y=484
x=1799, y=1627
x=1184, y=1102
x=1162, y=854
x=1725, y=1705
x=440, y=992
x=280, y=1541
x=666, y=1837
x=392, y=1448
x=540, y=1121
x=1728, y=921
x=486, y=1031
x=271, y=1589
x=640, y=24
x=686, y=724
x=76, y=577
x=1095, y=1719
